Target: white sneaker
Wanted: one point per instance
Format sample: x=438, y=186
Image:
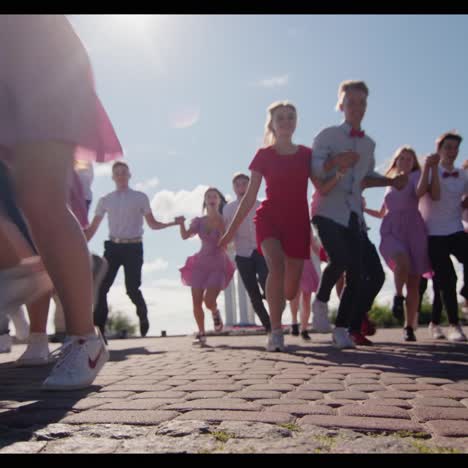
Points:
x=5, y=343
x=456, y=333
x=320, y=320
x=37, y=351
x=341, y=338
x=275, y=341
x=22, y=285
x=21, y=324
x=200, y=340
x=79, y=363
x=436, y=332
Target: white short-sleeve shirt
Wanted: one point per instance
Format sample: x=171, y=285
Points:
x=125, y=211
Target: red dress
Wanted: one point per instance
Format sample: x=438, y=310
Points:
x=284, y=215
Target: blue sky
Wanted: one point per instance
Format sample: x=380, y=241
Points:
x=187, y=95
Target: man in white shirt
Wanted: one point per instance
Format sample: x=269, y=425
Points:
x=442, y=209
x=251, y=265
x=125, y=209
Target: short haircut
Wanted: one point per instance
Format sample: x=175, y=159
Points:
x=347, y=85
x=119, y=163
x=239, y=175
x=448, y=136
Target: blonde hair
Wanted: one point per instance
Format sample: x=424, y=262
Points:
x=347, y=85
x=269, y=137
x=397, y=154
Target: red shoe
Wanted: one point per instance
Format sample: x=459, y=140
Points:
x=367, y=328
x=359, y=339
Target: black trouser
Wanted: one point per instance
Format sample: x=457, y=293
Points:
x=373, y=275
x=344, y=247
x=440, y=249
x=436, y=301
x=7, y=198
x=249, y=269
x=130, y=256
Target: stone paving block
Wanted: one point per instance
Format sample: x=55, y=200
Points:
x=389, y=402
x=463, y=387
x=131, y=405
x=449, y=428
x=287, y=381
x=282, y=401
x=454, y=394
x=396, y=380
x=465, y=402
x=362, y=424
x=229, y=404
x=261, y=416
x=86, y=403
x=135, y=388
x=321, y=387
x=250, y=382
x=372, y=411
x=23, y=447
x=351, y=381
x=251, y=377
x=274, y=387
x=412, y=387
x=363, y=375
x=209, y=387
x=200, y=395
x=169, y=394
x=140, y=417
x=347, y=395
x=304, y=395
x=301, y=410
x=424, y=414
x=80, y=444
x=365, y=388
x=254, y=395
x=335, y=403
x=434, y=381
x=112, y=395
x=438, y=402
x=393, y=394
x=26, y=418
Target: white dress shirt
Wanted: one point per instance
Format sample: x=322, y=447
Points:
x=245, y=239
x=345, y=197
x=125, y=210
x=444, y=217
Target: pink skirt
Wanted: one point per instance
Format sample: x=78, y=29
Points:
x=203, y=271
x=47, y=90
x=310, y=279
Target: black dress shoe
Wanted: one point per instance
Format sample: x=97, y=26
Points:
x=409, y=334
x=398, y=309
x=295, y=329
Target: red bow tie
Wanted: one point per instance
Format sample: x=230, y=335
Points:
x=356, y=133
x=450, y=174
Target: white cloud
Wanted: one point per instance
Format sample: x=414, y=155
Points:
x=166, y=204
x=147, y=184
x=184, y=117
x=274, y=81
x=159, y=264
x=101, y=170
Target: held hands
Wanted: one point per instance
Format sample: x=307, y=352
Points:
x=225, y=240
x=432, y=160
x=179, y=220
x=399, y=182
x=346, y=159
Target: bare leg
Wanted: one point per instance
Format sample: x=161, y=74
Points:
x=54, y=229
x=412, y=301
x=197, y=301
x=294, y=306
x=275, y=259
x=306, y=309
x=401, y=272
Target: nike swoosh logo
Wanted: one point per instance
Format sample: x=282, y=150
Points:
x=92, y=363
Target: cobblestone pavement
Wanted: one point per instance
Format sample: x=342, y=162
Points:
x=162, y=395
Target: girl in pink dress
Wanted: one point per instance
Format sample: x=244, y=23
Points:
x=209, y=271
x=403, y=233
x=309, y=283
x=49, y=113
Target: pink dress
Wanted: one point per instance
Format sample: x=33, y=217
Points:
x=211, y=266
x=403, y=228
x=47, y=90
x=310, y=279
